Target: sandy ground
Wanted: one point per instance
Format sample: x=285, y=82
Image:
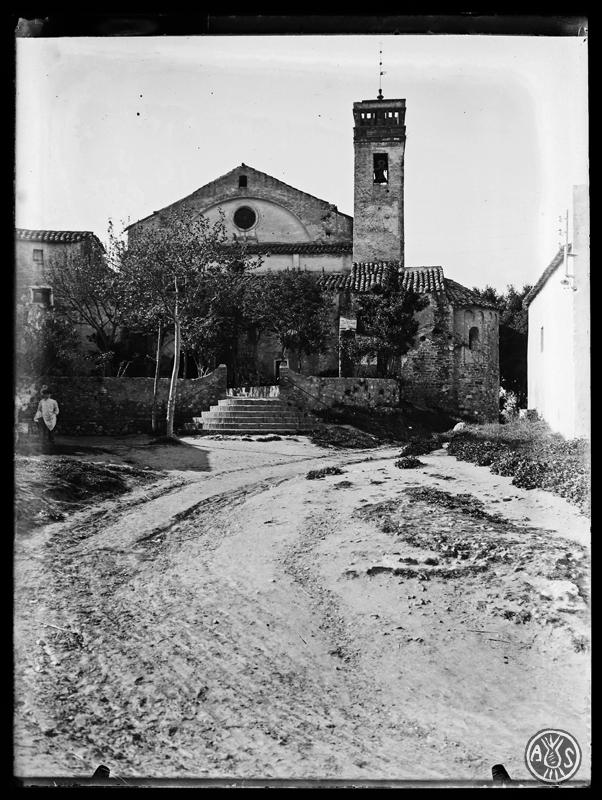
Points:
x=237, y=619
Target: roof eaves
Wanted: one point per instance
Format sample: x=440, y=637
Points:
x=543, y=279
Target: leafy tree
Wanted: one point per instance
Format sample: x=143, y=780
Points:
x=386, y=326
x=290, y=305
x=514, y=323
x=48, y=345
x=85, y=290
x=219, y=317
x=165, y=273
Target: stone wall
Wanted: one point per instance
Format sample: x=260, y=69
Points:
x=284, y=212
x=443, y=371
x=427, y=370
x=477, y=368
x=311, y=393
x=378, y=208
x=97, y=406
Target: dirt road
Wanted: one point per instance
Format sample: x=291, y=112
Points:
x=238, y=619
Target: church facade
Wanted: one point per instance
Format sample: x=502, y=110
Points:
x=454, y=364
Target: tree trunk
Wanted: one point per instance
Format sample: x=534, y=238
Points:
x=185, y=364
x=171, y=400
x=155, y=411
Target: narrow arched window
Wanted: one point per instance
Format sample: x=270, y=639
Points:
x=473, y=338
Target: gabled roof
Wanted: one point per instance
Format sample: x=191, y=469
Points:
x=547, y=273
x=236, y=169
x=422, y=280
x=60, y=237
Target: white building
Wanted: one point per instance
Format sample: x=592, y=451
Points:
x=558, y=365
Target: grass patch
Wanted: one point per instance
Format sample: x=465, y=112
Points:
x=465, y=503
x=534, y=456
x=409, y=462
x=313, y=474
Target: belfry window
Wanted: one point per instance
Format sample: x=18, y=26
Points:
x=242, y=181
x=381, y=168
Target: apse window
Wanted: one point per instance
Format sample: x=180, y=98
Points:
x=242, y=181
x=245, y=218
x=541, y=340
x=381, y=168
x=473, y=338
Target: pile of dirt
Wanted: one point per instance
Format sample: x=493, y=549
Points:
x=342, y=436
x=48, y=488
x=407, y=423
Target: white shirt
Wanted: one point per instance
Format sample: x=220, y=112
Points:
x=48, y=410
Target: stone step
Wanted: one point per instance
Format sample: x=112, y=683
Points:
x=247, y=426
x=255, y=391
x=249, y=416
x=258, y=432
x=249, y=402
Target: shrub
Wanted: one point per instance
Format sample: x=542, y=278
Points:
x=532, y=455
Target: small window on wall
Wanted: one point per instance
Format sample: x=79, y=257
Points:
x=38, y=256
x=473, y=338
x=541, y=340
x=242, y=181
x=41, y=296
x=381, y=168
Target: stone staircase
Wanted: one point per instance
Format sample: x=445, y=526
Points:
x=253, y=413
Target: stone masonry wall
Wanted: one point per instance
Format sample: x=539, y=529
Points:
x=114, y=406
x=442, y=371
x=477, y=370
x=322, y=220
x=311, y=393
x=378, y=208
x=427, y=370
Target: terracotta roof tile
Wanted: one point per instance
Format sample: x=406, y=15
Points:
x=65, y=237
x=422, y=280
x=459, y=295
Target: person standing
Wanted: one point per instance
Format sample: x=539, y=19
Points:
x=45, y=416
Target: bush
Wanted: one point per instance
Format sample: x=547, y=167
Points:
x=532, y=455
x=409, y=462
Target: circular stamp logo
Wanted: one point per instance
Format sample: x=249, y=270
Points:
x=553, y=756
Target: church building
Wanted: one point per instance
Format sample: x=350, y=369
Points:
x=454, y=364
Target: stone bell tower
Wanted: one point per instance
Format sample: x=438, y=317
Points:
x=379, y=138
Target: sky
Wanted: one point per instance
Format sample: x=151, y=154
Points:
x=118, y=127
